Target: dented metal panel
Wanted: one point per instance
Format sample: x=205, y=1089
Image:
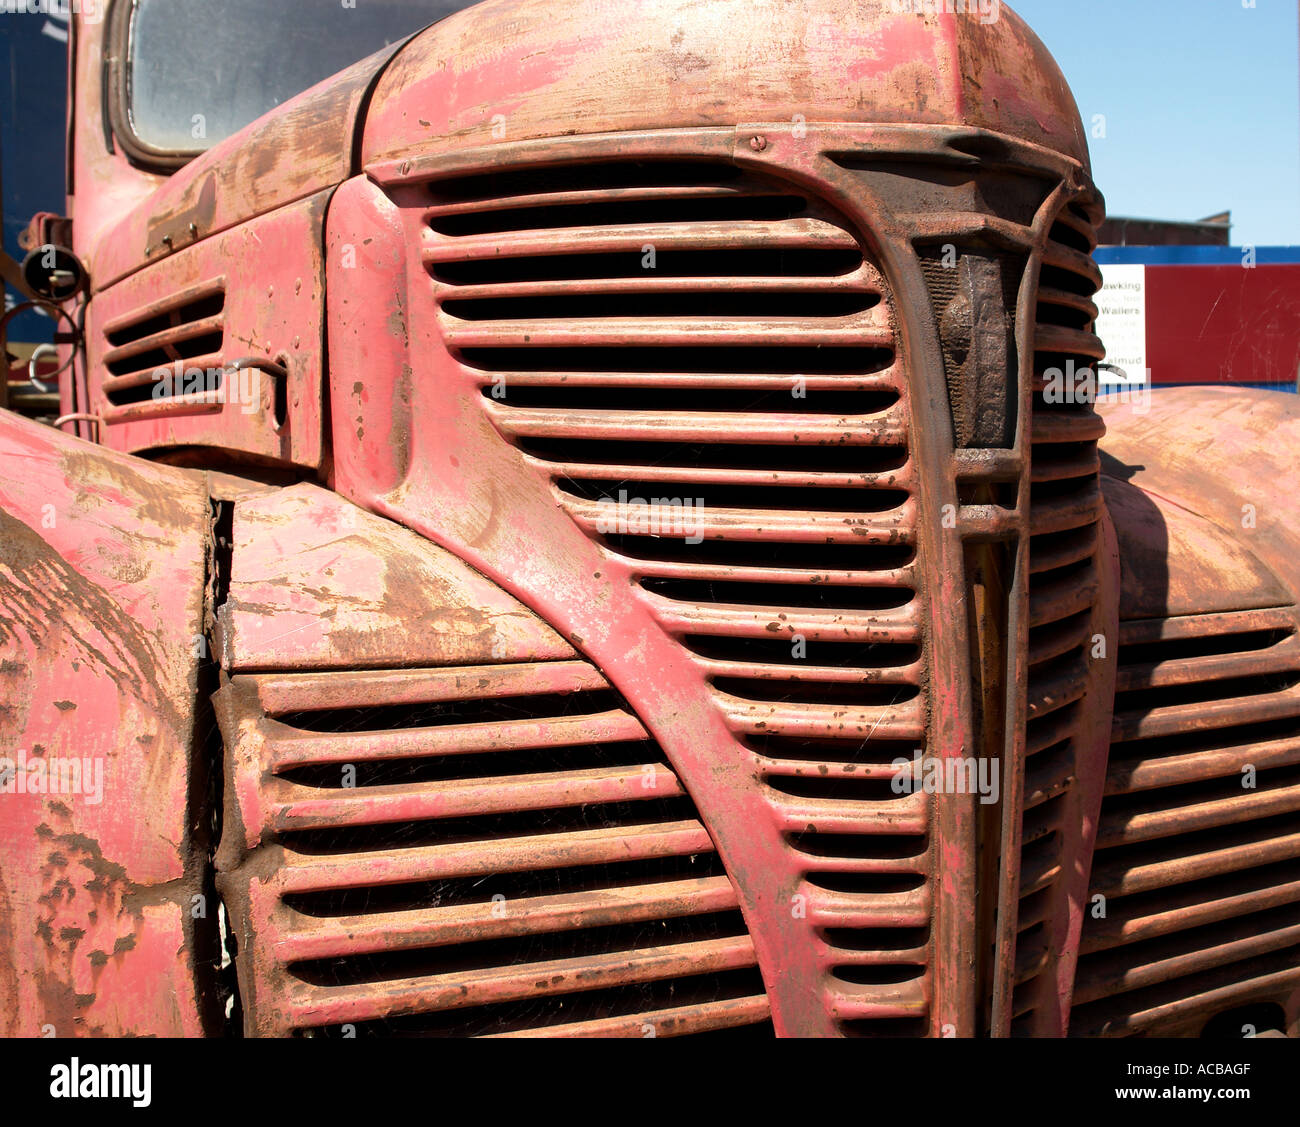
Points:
x=319, y=584
x=108, y=920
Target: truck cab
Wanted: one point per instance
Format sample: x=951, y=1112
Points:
x=584, y=522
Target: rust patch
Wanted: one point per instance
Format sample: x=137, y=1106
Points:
x=109, y=919
x=8, y=966
x=186, y=224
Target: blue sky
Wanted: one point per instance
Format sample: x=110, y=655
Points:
x=1202, y=106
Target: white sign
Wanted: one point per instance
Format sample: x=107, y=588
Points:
x=1122, y=325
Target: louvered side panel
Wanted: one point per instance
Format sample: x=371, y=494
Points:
x=162, y=344
x=1196, y=882
x=500, y=851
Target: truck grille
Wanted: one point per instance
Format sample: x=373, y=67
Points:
x=1200, y=873
x=1065, y=515
x=494, y=851
x=691, y=352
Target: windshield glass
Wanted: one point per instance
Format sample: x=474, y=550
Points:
x=198, y=71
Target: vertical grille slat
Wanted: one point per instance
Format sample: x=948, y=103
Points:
x=1064, y=519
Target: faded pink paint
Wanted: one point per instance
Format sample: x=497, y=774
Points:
x=904, y=40
x=101, y=596
x=442, y=544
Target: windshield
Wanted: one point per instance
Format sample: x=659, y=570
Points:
x=198, y=71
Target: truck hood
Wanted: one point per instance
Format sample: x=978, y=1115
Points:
x=517, y=70
x=536, y=68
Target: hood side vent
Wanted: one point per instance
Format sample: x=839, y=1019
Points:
x=184, y=333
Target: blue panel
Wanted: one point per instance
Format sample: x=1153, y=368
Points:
x=1195, y=256
x=33, y=127
x=1291, y=388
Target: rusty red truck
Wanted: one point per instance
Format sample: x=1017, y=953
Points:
x=584, y=523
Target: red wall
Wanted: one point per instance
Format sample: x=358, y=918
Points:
x=1223, y=324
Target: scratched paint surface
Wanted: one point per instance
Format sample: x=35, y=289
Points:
x=101, y=597
x=693, y=65
x=508, y=86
